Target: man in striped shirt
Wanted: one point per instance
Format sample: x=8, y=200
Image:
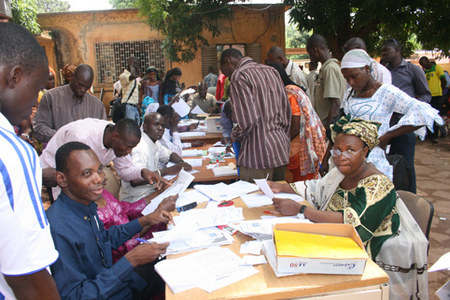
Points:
x=262, y=112
x=26, y=245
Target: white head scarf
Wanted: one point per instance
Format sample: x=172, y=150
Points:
x=359, y=58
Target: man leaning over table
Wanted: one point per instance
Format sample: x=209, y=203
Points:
x=171, y=138
x=111, y=142
x=85, y=269
x=150, y=154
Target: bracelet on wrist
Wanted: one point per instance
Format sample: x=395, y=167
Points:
x=302, y=209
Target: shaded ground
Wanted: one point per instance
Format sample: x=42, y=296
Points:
x=433, y=174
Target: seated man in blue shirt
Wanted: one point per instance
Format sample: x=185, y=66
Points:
x=84, y=269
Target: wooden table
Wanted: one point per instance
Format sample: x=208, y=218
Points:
x=209, y=138
x=207, y=175
x=265, y=285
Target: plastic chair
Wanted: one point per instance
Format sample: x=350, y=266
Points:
x=112, y=184
x=420, y=208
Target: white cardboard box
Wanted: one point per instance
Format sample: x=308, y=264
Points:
x=213, y=124
x=291, y=264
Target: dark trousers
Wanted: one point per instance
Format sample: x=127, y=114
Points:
x=155, y=288
x=435, y=104
x=405, y=145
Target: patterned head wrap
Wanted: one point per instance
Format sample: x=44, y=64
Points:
x=358, y=58
x=367, y=131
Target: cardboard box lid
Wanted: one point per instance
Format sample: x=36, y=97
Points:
x=331, y=230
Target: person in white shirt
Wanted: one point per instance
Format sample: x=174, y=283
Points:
x=26, y=245
x=171, y=138
x=383, y=74
x=150, y=154
x=276, y=54
x=111, y=142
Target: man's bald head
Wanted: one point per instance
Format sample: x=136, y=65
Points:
x=82, y=80
x=276, y=55
x=354, y=43
x=316, y=41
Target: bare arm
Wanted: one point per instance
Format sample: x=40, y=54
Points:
x=384, y=139
x=39, y=285
x=295, y=126
x=335, y=104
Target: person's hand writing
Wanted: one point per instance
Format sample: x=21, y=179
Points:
x=198, y=144
x=286, y=207
x=145, y=253
x=158, y=216
x=168, y=204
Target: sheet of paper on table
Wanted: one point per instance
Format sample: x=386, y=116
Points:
x=189, y=197
x=195, y=162
x=203, y=218
x=199, y=239
x=251, y=247
x=192, y=133
x=264, y=186
x=260, y=199
x=216, y=150
x=251, y=260
x=181, y=108
x=179, y=186
x=224, y=192
x=209, y=270
x=193, y=152
x=197, y=110
x=224, y=171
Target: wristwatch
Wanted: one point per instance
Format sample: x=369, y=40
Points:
x=302, y=209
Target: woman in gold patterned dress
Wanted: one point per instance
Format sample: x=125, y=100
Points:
x=357, y=193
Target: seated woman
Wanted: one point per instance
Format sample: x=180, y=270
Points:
x=307, y=133
x=357, y=193
x=114, y=212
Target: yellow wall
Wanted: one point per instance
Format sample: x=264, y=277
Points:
x=76, y=33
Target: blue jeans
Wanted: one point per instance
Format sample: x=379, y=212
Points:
x=132, y=113
x=405, y=145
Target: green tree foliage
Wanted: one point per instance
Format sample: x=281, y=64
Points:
x=295, y=38
x=24, y=13
x=183, y=23
x=52, y=6
x=412, y=22
x=121, y=4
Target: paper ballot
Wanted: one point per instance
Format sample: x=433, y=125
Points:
x=197, y=110
x=265, y=188
x=181, y=108
x=178, y=187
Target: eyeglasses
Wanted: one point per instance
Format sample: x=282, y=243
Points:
x=347, y=153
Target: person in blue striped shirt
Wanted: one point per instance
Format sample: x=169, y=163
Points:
x=26, y=245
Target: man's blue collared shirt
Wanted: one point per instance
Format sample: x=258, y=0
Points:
x=84, y=269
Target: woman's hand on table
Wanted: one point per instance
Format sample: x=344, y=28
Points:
x=286, y=207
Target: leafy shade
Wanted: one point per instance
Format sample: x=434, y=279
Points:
x=183, y=23
x=24, y=13
x=371, y=20
x=52, y=6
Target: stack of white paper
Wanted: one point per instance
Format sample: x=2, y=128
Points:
x=192, y=133
x=203, y=218
x=192, y=152
x=178, y=187
x=196, y=162
x=224, y=192
x=263, y=229
x=209, y=270
x=199, y=239
x=259, y=199
x=224, y=171
x=189, y=197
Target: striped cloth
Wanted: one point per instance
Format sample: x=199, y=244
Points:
x=26, y=245
x=263, y=114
